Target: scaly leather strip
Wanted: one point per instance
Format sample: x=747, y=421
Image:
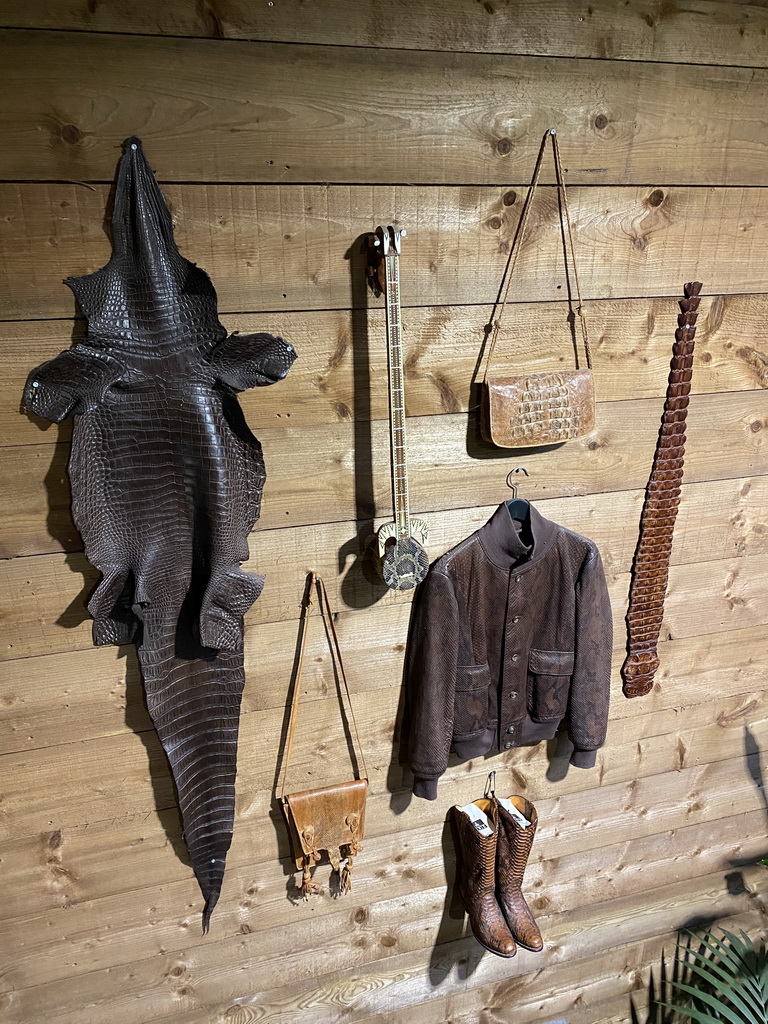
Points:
x=650, y=570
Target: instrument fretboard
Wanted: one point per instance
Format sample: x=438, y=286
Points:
x=396, y=396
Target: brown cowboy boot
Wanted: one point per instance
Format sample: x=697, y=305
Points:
x=513, y=848
x=476, y=870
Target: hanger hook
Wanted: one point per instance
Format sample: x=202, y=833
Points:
x=510, y=474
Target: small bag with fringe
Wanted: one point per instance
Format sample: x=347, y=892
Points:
x=330, y=819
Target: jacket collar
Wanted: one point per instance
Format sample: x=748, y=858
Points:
x=504, y=539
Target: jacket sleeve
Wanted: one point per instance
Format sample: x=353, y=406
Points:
x=591, y=683
x=431, y=682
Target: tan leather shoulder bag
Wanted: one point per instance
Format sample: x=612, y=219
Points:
x=535, y=409
x=330, y=819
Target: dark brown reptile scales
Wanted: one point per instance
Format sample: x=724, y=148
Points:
x=166, y=486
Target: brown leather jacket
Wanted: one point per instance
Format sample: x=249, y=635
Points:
x=512, y=635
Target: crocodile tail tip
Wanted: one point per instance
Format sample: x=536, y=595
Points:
x=134, y=142
x=210, y=903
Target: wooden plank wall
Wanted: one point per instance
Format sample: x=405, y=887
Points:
x=282, y=132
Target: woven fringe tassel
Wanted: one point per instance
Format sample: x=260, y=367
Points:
x=345, y=880
x=308, y=887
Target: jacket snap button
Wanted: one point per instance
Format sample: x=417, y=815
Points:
x=511, y=729
x=518, y=579
x=508, y=745
x=516, y=618
x=515, y=657
x=512, y=694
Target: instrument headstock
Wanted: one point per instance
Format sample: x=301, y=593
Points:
x=386, y=242
x=388, y=239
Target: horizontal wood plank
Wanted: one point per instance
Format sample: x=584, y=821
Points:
x=96, y=691
x=113, y=772
x=578, y=989
x=247, y=112
x=337, y=473
x=63, y=866
x=216, y=974
x=589, y=930
x=43, y=599
x=409, y=866
x=248, y=115
x=343, y=357
x=712, y=32
x=300, y=247
x=66, y=697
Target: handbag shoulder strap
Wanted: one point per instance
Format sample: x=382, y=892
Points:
x=517, y=246
x=315, y=583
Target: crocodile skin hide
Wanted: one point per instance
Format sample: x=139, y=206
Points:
x=166, y=485
x=650, y=570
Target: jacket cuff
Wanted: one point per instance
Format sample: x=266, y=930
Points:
x=425, y=788
x=584, y=758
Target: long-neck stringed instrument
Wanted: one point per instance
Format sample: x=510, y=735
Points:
x=403, y=560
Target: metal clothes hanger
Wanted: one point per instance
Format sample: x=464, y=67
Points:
x=519, y=508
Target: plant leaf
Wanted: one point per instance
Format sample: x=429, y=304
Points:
x=733, y=989
x=721, y=951
x=743, y=980
x=700, y=1016
x=721, y=1008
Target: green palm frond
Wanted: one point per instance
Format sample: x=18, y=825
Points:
x=726, y=980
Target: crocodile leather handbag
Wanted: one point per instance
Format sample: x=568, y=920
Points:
x=330, y=819
x=534, y=409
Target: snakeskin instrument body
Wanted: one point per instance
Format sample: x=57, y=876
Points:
x=650, y=570
x=166, y=485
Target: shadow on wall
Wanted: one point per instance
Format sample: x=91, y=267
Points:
x=362, y=585
x=661, y=992
x=456, y=949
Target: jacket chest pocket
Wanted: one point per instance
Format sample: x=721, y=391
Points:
x=471, y=700
x=549, y=682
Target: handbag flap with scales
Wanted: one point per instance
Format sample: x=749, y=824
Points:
x=535, y=409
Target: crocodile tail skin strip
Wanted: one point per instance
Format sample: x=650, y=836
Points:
x=166, y=486
x=650, y=570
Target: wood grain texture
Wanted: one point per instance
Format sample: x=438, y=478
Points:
x=712, y=32
x=259, y=112
x=405, y=980
x=65, y=698
x=216, y=975
x=43, y=598
x=412, y=865
x=666, y=163
x=343, y=357
x=576, y=989
x=108, y=773
x=336, y=473
x=62, y=867
x=298, y=247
